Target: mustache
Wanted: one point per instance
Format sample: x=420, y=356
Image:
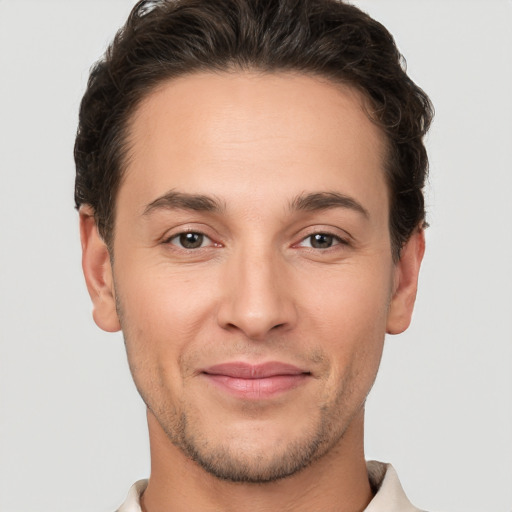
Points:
x=251, y=352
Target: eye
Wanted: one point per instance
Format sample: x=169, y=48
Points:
x=321, y=241
x=190, y=240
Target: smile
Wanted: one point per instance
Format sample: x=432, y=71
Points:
x=255, y=382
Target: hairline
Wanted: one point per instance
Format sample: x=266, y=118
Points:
x=124, y=153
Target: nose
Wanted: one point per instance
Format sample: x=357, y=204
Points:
x=257, y=298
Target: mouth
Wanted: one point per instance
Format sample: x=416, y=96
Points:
x=255, y=382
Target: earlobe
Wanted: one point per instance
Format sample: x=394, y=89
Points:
x=98, y=272
x=406, y=283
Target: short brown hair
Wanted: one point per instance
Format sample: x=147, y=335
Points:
x=163, y=39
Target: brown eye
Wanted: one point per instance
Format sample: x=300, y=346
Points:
x=322, y=240
x=189, y=240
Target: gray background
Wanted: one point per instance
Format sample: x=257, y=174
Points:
x=72, y=428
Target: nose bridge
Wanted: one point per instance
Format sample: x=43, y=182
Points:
x=257, y=297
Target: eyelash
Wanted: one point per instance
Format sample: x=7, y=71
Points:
x=335, y=240
x=180, y=238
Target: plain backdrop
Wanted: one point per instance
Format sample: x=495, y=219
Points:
x=72, y=427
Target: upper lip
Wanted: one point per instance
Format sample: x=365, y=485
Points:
x=242, y=370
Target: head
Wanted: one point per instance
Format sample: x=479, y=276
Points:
x=163, y=40
x=250, y=177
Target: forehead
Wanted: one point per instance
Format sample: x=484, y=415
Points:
x=280, y=133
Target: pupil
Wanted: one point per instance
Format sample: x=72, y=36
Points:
x=321, y=241
x=191, y=240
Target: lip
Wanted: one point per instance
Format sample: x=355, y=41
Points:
x=258, y=381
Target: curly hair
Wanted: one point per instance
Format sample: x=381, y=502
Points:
x=163, y=39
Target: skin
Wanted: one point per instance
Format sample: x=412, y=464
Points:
x=258, y=288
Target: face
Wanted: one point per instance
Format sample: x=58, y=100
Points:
x=252, y=272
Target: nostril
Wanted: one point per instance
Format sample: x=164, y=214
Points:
x=255, y=315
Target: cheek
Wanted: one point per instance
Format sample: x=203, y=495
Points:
x=162, y=312
x=348, y=316
x=350, y=298
x=161, y=316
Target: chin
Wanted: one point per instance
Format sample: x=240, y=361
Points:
x=253, y=454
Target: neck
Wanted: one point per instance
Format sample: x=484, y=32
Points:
x=338, y=481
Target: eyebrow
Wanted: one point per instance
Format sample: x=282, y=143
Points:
x=174, y=200
x=316, y=201
x=327, y=200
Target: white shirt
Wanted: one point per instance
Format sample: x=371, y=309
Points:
x=390, y=496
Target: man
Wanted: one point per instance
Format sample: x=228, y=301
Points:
x=249, y=181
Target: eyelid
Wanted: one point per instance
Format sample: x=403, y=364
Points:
x=337, y=240
x=204, y=243
x=343, y=237
x=182, y=230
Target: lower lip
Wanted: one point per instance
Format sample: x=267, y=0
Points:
x=257, y=389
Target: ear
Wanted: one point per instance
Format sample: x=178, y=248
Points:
x=406, y=283
x=98, y=272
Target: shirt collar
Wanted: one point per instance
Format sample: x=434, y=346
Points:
x=389, y=494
